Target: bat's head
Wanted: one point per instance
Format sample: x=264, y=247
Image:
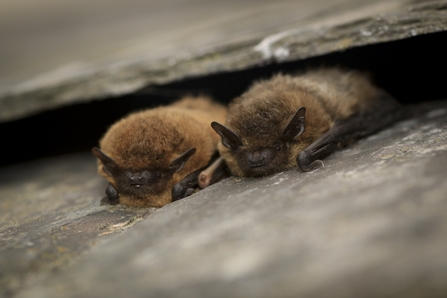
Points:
x=257, y=154
x=141, y=183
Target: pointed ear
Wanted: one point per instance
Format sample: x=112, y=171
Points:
x=178, y=163
x=229, y=138
x=108, y=162
x=295, y=127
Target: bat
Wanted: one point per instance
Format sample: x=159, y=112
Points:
x=290, y=121
x=153, y=157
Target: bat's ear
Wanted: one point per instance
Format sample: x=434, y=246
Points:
x=178, y=163
x=295, y=127
x=108, y=162
x=229, y=138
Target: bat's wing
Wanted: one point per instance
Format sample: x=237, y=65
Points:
x=212, y=173
x=186, y=186
x=383, y=112
x=112, y=196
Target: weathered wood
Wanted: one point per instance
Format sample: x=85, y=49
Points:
x=240, y=36
x=50, y=214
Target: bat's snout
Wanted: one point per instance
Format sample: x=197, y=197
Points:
x=254, y=163
x=137, y=179
x=260, y=158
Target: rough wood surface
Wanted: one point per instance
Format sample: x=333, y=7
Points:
x=79, y=58
x=50, y=214
x=372, y=223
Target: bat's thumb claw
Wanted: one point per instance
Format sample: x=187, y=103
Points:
x=306, y=163
x=316, y=164
x=189, y=192
x=180, y=192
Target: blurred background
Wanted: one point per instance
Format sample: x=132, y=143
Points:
x=43, y=36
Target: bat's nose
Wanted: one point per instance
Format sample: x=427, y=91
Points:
x=260, y=158
x=256, y=159
x=136, y=178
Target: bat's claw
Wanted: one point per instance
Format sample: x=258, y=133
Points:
x=112, y=196
x=306, y=164
x=179, y=192
x=316, y=164
x=185, y=187
x=189, y=192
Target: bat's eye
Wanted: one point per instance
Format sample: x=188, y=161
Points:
x=158, y=174
x=278, y=148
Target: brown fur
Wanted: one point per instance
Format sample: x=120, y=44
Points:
x=151, y=139
x=259, y=115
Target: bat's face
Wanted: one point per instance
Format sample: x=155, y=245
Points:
x=261, y=161
x=260, y=155
x=141, y=183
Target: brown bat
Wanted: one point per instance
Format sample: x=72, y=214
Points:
x=153, y=157
x=297, y=120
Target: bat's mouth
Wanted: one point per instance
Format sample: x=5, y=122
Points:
x=136, y=185
x=258, y=171
x=257, y=165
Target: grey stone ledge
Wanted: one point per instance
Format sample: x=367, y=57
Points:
x=370, y=224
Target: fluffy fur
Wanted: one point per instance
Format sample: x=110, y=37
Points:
x=259, y=115
x=150, y=140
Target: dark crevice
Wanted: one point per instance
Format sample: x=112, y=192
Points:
x=412, y=70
